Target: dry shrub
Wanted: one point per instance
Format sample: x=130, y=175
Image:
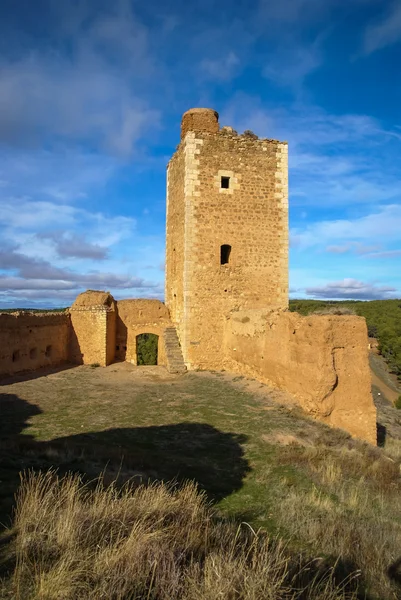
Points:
x=334, y=310
x=73, y=542
x=393, y=448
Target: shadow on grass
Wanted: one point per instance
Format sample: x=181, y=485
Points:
x=36, y=374
x=171, y=453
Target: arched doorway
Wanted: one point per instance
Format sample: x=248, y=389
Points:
x=147, y=349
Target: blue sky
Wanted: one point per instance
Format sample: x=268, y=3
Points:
x=91, y=97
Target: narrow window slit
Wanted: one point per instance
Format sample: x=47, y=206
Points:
x=225, y=183
x=225, y=251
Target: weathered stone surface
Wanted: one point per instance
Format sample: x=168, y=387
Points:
x=250, y=215
x=321, y=360
x=29, y=341
x=93, y=328
x=138, y=316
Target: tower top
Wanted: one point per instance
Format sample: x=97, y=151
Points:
x=199, y=119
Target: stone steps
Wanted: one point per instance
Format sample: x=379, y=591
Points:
x=175, y=360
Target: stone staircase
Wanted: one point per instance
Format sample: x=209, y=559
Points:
x=175, y=360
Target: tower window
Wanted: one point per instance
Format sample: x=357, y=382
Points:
x=225, y=251
x=225, y=183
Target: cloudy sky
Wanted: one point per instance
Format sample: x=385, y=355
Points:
x=91, y=96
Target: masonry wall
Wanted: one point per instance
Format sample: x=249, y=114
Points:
x=175, y=226
x=88, y=336
x=321, y=360
x=135, y=317
x=93, y=328
x=29, y=341
x=251, y=216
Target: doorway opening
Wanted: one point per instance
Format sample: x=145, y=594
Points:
x=146, y=349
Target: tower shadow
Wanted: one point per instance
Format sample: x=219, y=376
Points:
x=169, y=453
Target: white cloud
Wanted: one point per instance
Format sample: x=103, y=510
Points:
x=72, y=245
x=352, y=289
x=92, y=94
x=385, y=32
x=220, y=69
x=291, y=64
x=381, y=226
x=356, y=247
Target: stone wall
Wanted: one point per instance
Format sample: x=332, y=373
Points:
x=29, y=341
x=175, y=224
x=135, y=317
x=248, y=211
x=321, y=360
x=93, y=327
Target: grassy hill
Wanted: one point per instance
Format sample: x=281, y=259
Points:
x=383, y=318
x=284, y=507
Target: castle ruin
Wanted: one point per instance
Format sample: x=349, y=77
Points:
x=226, y=290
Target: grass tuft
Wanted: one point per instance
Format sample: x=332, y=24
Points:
x=155, y=542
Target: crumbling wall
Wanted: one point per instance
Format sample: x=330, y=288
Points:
x=138, y=316
x=321, y=360
x=93, y=320
x=29, y=341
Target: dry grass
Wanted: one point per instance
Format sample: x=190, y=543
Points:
x=353, y=512
x=154, y=542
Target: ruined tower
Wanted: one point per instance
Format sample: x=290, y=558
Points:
x=227, y=231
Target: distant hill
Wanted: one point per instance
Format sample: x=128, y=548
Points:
x=32, y=310
x=383, y=318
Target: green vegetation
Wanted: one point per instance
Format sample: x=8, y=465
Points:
x=314, y=491
x=32, y=310
x=398, y=402
x=146, y=348
x=383, y=318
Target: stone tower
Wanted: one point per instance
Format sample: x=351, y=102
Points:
x=227, y=231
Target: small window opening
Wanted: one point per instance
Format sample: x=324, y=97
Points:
x=33, y=353
x=225, y=251
x=15, y=356
x=117, y=348
x=48, y=351
x=225, y=183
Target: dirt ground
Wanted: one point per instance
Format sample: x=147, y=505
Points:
x=384, y=381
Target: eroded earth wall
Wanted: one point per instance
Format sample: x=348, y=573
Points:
x=321, y=360
x=29, y=341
